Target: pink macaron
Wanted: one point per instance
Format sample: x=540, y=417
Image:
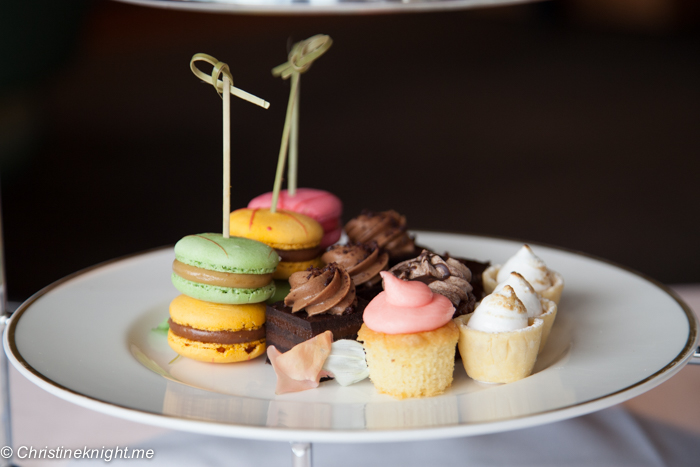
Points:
x=320, y=205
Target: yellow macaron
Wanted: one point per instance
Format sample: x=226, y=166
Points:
x=294, y=236
x=215, y=332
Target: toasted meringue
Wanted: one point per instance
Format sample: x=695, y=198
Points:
x=500, y=312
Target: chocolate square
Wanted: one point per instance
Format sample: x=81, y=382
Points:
x=285, y=329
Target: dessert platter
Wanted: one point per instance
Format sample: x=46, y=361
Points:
x=290, y=326
x=88, y=339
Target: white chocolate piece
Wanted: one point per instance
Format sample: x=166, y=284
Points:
x=346, y=362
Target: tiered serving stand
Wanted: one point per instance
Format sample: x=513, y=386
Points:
x=88, y=338
x=320, y=6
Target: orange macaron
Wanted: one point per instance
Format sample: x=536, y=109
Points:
x=295, y=237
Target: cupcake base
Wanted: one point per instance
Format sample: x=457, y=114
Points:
x=411, y=365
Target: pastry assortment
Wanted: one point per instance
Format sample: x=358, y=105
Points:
x=409, y=325
x=276, y=282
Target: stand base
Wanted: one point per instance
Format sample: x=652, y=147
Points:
x=301, y=454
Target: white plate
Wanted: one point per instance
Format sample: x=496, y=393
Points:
x=319, y=6
x=617, y=335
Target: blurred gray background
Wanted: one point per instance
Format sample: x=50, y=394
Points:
x=573, y=123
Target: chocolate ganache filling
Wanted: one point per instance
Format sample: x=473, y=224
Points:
x=216, y=337
x=328, y=290
x=447, y=277
x=387, y=228
x=220, y=279
x=363, y=261
x=299, y=255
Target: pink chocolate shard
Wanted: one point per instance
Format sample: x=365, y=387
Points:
x=301, y=368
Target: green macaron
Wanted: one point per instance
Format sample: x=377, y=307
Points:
x=230, y=270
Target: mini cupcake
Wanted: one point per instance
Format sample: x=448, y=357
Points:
x=388, y=229
x=409, y=338
x=498, y=343
x=448, y=277
x=363, y=261
x=546, y=282
x=536, y=305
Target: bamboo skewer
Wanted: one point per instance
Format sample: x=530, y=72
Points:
x=225, y=89
x=227, y=157
x=299, y=61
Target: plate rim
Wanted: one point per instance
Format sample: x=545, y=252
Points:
x=351, y=436
x=357, y=7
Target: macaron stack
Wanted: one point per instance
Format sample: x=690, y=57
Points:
x=322, y=206
x=220, y=318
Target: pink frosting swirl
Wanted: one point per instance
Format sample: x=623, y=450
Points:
x=407, y=307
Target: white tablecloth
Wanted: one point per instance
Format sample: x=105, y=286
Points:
x=659, y=428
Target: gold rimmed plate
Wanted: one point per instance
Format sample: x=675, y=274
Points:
x=89, y=339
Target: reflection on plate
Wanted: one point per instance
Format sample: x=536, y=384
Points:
x=88, y=339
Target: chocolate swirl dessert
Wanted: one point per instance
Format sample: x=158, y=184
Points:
x=477, y=268
x=328, y=290
x=320, y=300
x=448, y=277
x=363, y=261
x=387, y=228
